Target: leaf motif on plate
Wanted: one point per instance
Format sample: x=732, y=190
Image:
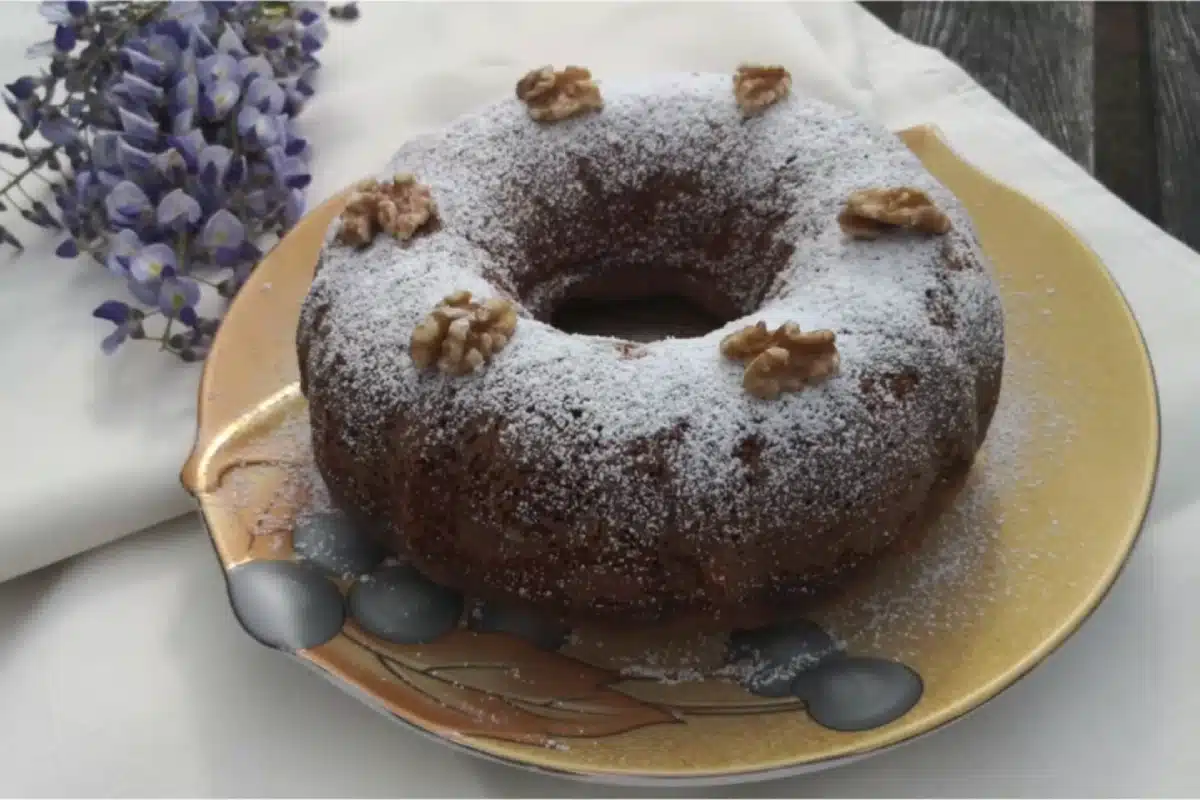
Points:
x=499, y=686
x=711, y=697
x=274, y=435
x=274, y=497
x=260, y=502
x=256, y=482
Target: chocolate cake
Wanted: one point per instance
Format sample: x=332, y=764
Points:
x=727, y=478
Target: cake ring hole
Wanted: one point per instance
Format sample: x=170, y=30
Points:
x=638, y=304
x=681, y=232
x=635, y=319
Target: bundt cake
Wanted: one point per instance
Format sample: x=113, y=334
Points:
x=726, y=478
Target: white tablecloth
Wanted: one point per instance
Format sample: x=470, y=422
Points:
x=122, y=672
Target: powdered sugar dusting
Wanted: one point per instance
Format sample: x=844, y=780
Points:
x=951, y=582
x=944, y=587
x=647, y=448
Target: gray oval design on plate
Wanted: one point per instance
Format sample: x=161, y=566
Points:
x=332, y=542
x=285, y=605
x=540, y=631
x=781, y=643
x=858, y=693
x=780, y=653
x=401, y=605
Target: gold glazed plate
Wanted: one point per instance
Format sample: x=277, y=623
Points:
x=1031, y=546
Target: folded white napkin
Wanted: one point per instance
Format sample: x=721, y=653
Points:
x=90, y=446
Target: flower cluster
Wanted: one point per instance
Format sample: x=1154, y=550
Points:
x=177, y=125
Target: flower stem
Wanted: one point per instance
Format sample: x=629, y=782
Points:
x=181, y=249
x=15, y=182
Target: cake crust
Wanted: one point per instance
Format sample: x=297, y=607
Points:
x=598, y=479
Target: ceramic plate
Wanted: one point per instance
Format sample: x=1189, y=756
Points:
x=1029, y=549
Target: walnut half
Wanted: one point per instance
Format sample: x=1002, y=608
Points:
x=400, y=208
x=755, y=87
x=552, y=96
x=784, y=360
x=871, y=212
x=459, y=336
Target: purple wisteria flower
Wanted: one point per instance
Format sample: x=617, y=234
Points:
x=58, y=130
x=127, y=320
x=123, y=246
x=172, y=128
x=126, y=204
x=223, y=236
x=179, y=295
x=178, y=211
x=152, y=263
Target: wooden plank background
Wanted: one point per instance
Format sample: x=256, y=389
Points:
x=1115, y=85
